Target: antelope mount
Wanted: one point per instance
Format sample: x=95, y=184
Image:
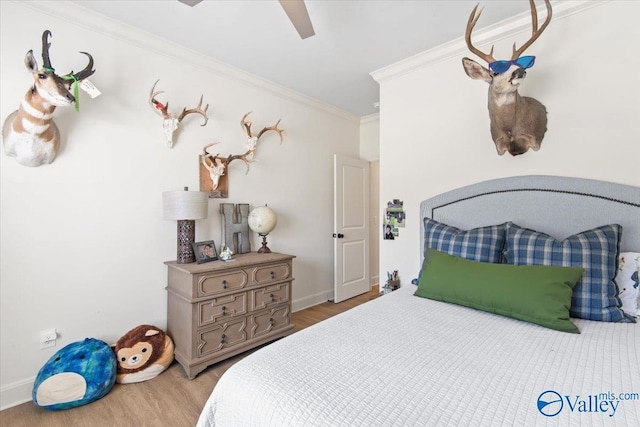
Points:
x=29, y=134
x=518, y=123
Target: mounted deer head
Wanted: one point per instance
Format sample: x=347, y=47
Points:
x=29, y=134
x=217, y=165
x=518, y=123
x=170, y=122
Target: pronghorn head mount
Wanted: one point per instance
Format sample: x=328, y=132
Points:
x=29, y=134
x=517, y=123
x=171, y=122
x=217, y=165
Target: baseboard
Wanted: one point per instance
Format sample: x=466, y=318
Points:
x=16, y=393
x=309, y=301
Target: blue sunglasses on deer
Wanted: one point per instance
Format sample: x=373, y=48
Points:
x=502, y=66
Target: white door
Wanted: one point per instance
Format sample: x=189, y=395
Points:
x=351, y=227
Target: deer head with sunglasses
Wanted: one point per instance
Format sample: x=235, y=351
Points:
x=29, y=134
x=518, y=123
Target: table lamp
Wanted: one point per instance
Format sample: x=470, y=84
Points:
x=262, y=220
x=185, y=206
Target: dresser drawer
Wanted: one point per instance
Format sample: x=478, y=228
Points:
x=272, y=273
x=269, y=296
x=222, y=336
x=271, y=320
x=211, y=284
x=221, y=308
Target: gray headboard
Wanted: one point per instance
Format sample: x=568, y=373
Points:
x=558, y=206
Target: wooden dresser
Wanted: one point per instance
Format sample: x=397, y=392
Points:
x=218, y=309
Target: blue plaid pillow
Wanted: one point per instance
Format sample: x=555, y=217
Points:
x=484, y=244
x=595, y=295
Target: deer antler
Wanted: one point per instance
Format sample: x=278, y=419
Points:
x=197, y=110
x=157, y=106
x=246, y=125
x=535, y=31
x=217, y=165
x=216, y=159
x=273, y=128
x=473, y=18
x=242, y=157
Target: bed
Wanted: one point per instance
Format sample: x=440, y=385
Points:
x=403, y=360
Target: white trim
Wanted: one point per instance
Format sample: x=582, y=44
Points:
x=486, y=36
x=16, y=393
x=93, y=21
x=370, y=118
x=310, y=301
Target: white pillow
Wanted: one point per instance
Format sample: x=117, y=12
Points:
x=627, y=280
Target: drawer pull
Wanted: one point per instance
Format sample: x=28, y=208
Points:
x=273, y=275
x=224, y=310
x=224, y=284
x=222, y=337
x=273, y=298
x=271, y=321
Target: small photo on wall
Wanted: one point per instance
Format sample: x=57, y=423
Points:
x=395, y=214
x=389, y=232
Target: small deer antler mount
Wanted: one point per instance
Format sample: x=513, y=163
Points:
x=170, y=122
x=215, y=166
x=517, y=123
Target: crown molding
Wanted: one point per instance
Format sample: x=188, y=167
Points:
x=487, y=36
x=77, y=15
x=375, y=117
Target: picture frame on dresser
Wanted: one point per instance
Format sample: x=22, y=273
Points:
x=205, y=251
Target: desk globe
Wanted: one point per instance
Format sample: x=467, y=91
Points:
x=262, y=220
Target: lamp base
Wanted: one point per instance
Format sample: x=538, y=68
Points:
x=186, y=236
x=264, y=249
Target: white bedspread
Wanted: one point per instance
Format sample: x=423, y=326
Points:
x=402, y=360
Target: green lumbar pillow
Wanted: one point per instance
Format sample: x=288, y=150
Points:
x=533, y=293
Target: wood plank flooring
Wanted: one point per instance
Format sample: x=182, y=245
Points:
x=170, y=399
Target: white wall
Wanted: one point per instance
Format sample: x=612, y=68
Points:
x=370, y=150
x=434, y=126
x=370, y=137
x=83, y=241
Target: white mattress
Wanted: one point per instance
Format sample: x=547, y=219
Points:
x=402, y=360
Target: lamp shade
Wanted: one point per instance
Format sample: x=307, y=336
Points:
x=185, y=204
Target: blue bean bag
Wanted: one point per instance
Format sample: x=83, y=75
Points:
x=79, y=373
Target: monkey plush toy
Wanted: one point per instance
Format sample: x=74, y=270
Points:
x=142, y=353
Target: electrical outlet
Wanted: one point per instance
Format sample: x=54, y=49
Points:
x=48, y=338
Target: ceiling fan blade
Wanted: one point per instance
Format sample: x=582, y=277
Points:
x=190, y=2
x=296, y=10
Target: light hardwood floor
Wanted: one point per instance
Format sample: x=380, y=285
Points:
x=170, y=399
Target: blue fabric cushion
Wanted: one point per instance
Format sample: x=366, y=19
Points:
x=75, y=375
x=596, y=250
x=484, y=244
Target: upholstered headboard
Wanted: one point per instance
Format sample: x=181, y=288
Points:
x=558, y=206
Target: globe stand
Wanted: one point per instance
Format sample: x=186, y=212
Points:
x=264, y=249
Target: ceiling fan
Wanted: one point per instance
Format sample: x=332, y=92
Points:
x=296, y=10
